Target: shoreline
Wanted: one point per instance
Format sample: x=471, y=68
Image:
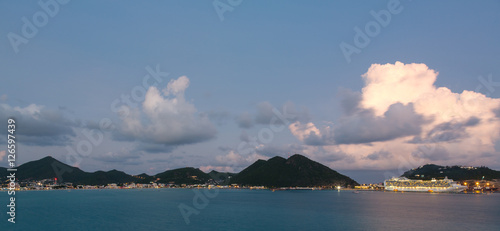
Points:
x=268, y=189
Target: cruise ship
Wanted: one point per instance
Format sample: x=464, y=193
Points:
x=406, y=185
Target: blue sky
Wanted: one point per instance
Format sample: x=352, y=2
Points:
x=262, y=55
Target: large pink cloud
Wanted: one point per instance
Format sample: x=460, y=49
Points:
x=401, y=114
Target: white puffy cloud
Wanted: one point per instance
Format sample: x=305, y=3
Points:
x=310, y=134
x=392, y=83
x=177, y=87
x=166, y=117
x=401, y=118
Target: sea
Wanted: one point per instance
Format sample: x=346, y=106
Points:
x=245, y=209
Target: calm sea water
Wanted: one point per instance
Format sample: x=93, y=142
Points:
x=158, y=209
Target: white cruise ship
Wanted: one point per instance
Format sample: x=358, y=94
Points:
x=406, y=185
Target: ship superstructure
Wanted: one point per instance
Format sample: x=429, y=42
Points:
x=406, y=185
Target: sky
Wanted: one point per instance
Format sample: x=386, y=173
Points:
x=368, y=88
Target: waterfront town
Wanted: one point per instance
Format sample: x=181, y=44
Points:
x=473, y=186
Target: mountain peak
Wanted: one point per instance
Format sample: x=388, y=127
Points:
x=276, y=158
x=297, y=170
x=297, y=156
x=48, y=158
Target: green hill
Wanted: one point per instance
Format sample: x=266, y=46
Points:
x=457, y=173
x=186, y=175
x=144, y=178
x=46, y=168
x=50, y=168
x=275, y=172
x=103, y=178
x=296, y=171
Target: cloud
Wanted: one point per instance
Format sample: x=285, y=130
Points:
x=236, y=161
x=167, y=118
x=350, y=101
x=245, y=120
x=279, y=150
x=439, y=153
x=379, y=155
x=177, y=87
x=245, y=137
x=154, y=148
x=364, y=127
x=2, y=154
x=267, y=114
x=224, y=148
x=392, y=83
x=447, y=132
x=497, y=112
x=219, y=117
x=310, y=134
x=401, y=113
x=209, y=168
x=289, y=113
x=327, y=154
x=39, y=126
x=124, y=156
